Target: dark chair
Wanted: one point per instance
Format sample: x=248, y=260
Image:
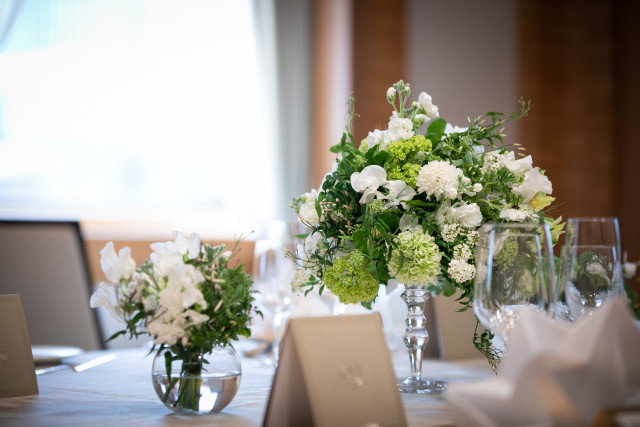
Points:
x=44, y=262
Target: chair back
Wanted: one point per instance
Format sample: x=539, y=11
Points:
x=44, y=262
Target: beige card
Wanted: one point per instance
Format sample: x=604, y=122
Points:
x=335, y=371
x=17, y=371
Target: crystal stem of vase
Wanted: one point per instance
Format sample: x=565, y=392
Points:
x=416, y=338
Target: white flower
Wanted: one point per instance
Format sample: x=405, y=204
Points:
x=311, y=242
x=514, y=215
x=519, y=166
x=308, y=211
x=467, y=215
x=449, y=128
x=376, y=137
x=461, y=271
x=182, y=289
x=534, y=181
x=116, y=266
x=105, y=296
x=477, y=187
x=164, y=256
x=391, y=93
x=187, y=244
x=134, y=288
x=430, y=110
x=629, y=269
x=419, y=119
x=165, y=331
x=399, y=128
x=409, y=223
x=439, y=178
x=399, y=192
x=368, y=181
x=597, y=269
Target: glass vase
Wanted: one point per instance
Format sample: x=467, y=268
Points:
x=416, y=338
x=203, y=384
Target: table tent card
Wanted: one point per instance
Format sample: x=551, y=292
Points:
x=17, y=371
x=335, y=371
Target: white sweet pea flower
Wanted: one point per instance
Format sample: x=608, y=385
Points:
x=186, y=279
x=514, y=215
x=105, y=296
x=399, y=128
x=368, y=181
x=467, y=215
x=187, y=244
x=534, y=181
x=164, y=256
x=308, y=211
x=399, y=192
x=311, y=242
x=376, y=137
x=449, y=128
x=116, y=266
x=165, y=331
x=425, y=101
x=519, y=166
x=409, y=223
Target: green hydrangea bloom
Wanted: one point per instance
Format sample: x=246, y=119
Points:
x=376, y=207
x=349, y=279
x=416, y=259
x=507, y=255
x=404, y=165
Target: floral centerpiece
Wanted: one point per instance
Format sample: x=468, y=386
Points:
x=407, y=201
x=187, y=297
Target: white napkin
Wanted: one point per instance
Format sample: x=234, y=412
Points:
x=557, y=373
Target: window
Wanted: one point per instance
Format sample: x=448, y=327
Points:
x=135, y=109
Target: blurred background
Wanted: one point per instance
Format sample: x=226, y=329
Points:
x=139, y=117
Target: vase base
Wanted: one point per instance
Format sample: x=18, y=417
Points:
x=420, y=385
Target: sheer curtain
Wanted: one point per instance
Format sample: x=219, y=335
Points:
x=140, y=109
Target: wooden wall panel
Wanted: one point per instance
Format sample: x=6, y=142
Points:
x=378, y=60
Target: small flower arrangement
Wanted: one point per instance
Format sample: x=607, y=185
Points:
x=186, y=296
x=406, y=205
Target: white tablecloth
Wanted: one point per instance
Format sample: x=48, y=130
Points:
x=120, y=393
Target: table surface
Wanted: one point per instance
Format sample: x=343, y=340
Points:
x=120, y=393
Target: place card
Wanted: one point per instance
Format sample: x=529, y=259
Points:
x=17, y=371
x=335, y=371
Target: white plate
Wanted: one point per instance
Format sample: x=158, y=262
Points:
x=43, y=354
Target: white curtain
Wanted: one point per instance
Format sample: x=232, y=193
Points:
x=9, y=10
x=284, y=33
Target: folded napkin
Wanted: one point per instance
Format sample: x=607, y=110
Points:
x=557, y=373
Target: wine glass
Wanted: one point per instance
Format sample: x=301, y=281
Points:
x=592, y=275
x=591, y=264
x=514, y=269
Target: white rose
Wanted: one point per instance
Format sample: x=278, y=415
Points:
x=374, y=138
x=398, y=128
x=116, y=266
x=467, y=215
x=430, y=110
x=534, y=181
x=368, y=181
x=308, y=211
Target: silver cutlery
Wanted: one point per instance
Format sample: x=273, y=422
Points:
x=80, y=367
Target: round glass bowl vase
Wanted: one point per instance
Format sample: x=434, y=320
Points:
x=204, y=384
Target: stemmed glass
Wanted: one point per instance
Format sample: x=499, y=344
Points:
x=591, y=264
x=514, y=269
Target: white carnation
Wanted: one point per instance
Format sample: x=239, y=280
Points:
x=439, y=178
